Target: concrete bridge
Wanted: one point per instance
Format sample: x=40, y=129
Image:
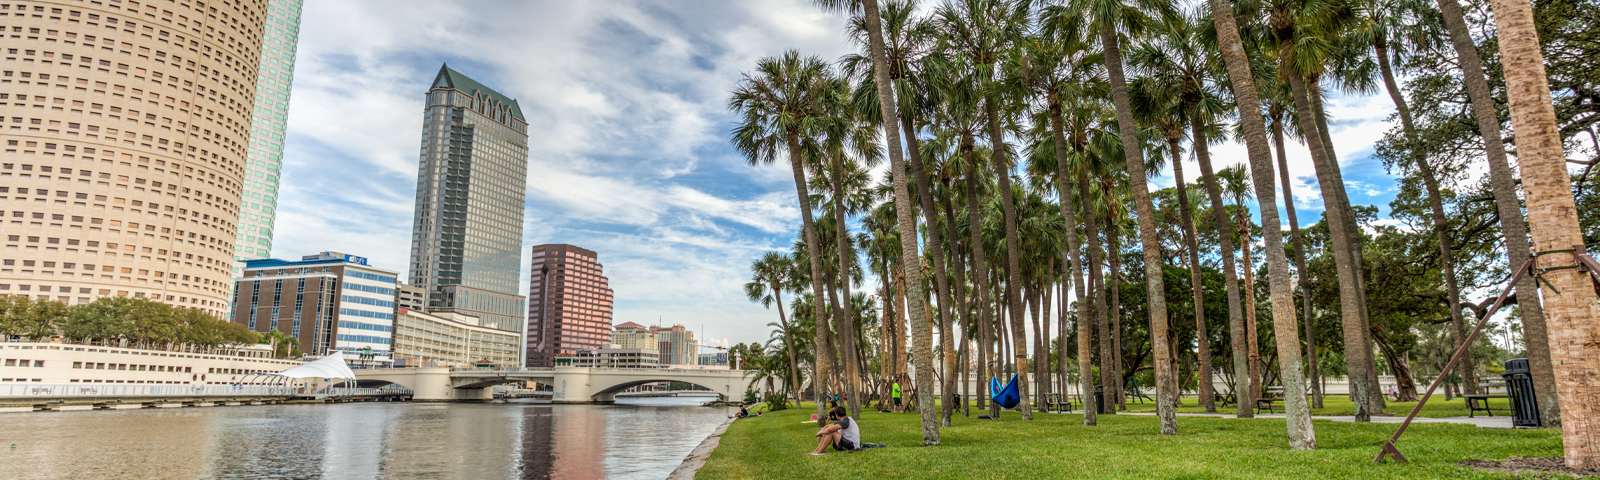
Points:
x=568, y=384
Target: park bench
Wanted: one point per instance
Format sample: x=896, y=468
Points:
x=1270, y=399
x=1480, y=403
x=1056, y=402
x=1137, y=394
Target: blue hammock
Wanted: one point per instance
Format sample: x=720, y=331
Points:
x=1007, y=397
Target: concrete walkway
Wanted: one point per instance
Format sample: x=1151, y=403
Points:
x=1497, y=421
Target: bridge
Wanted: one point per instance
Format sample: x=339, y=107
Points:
x=568, y=384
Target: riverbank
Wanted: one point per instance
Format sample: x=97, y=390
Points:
x=1123, y=446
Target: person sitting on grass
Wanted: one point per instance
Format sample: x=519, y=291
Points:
x=844, y=435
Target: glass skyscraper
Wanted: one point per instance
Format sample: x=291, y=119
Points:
x=265, y=160
x=471, y=184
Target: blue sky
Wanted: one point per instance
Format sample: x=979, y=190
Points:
x=626, y=104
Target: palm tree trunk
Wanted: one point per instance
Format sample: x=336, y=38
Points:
x=1108, y=359
x=814, y=254
x=1570, y=307
x=1502, y=181
x=980, y=273
x=1114, y=386
x=958, y=288
x=935, y=248
x=1097, y=295
x=788, y=344
x=1237, y=333
x=1249, y=287
x=1197, y=286
x=1375, y=401
x=852, y=371
x=1002, y=167
x=922, y=330
x=1148, y=237
x=1069, y=211
x=1296, y=412
x=1304, y=278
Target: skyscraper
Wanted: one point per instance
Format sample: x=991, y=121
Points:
x=265, y=160
x=466, y=240
x=569, y=303
x=126, y=131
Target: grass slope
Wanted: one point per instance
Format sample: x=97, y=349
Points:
x=1127, y=446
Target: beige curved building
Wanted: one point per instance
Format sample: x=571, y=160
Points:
x=125, y=128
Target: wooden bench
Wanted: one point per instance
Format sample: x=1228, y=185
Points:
x=1480, y=403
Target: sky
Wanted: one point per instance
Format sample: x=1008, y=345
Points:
x=626, y=103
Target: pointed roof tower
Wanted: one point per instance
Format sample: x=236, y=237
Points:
x=449, y=78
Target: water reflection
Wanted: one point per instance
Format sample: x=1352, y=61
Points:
x=646, y=439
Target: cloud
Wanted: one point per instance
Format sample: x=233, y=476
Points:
x=626, y=105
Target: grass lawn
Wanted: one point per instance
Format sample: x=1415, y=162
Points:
x=1437, y=407
x=778, y=444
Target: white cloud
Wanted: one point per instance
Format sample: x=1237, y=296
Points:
x=626, y=105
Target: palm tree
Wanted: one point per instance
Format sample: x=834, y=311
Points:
x=778, y=105
x=906, y=41
x=1512, y=223
x=1178, y=68
x=1111, y=19
x=1236, y=181
x=1253, y=128
x=769, y=277
x=1302, y=51
x=1058, y=66
x=981, y=30
x=922, y=334
x=1570, y=307
x=1276, y=106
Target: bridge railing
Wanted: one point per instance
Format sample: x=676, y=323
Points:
x=80, y=390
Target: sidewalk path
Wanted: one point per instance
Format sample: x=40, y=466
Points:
x=1498, y=421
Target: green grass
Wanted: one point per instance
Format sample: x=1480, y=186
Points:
x=1437, y=407
x=1122, y=446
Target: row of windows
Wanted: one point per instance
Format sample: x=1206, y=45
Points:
x=361, y=313
x=364, y=339
x=367, y=301
x=369, y=276
x=369, y=289
x=365, y=326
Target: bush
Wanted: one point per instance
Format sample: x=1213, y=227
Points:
x=751, y=396
x=776, y=402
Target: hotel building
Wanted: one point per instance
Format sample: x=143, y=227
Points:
x=126, y=131
x=329, y=301
x=569, y=304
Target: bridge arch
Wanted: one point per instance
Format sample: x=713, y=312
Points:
x=601, y=385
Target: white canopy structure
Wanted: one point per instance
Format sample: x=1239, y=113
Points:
x=330, y=367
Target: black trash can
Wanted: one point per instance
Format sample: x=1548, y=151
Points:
x=1519, y=384
x=1099, y=399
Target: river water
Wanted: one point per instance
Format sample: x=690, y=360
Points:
x=637, y=438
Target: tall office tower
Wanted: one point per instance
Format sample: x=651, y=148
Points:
x=466, y=240
x=265, y=149
x=126, y=130
x=569, y=304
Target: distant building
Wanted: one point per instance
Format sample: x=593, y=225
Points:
x=264, y=162
x=676, y=344
x=611, y=356
x=633, y=335
x=569, y=303
x=451, y=339
x=466, y=240
x=714, y=359
x=412, y=297
x=329, y=301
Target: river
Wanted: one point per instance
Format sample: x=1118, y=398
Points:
x=643, y=438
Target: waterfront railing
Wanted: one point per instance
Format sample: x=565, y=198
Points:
x=80, y=390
